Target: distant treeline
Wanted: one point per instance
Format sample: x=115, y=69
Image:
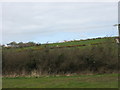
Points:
x=29, y=44
x=21, y=44
x=93, y=59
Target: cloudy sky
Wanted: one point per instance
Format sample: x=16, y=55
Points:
x=53, y=22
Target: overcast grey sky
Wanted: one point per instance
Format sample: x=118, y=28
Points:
x=53, y=22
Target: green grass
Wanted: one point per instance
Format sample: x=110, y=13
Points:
x=81, y=42
x=69, y=43
x=82, y=81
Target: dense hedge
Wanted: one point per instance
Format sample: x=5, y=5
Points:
x=90, y=59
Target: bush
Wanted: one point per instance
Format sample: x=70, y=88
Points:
x=101, y=58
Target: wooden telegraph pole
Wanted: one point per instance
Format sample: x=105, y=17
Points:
x=119, y=45
x=118, y=39
x=119, y=58
x=118, y=28
x=118, y=25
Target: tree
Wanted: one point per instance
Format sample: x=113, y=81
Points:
x=12, y=44
x=21, y=44
x=30, y=44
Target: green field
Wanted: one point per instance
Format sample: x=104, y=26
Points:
x=86, y=42
x=81, y=81
x=76, y=81
x=81, y=42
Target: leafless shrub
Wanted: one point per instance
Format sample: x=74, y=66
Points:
x=101, y=58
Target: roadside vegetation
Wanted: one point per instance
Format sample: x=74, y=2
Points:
x=98, y=56
x=75, y=81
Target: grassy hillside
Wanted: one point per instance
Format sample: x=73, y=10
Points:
x=81, y=42
x=75, y=43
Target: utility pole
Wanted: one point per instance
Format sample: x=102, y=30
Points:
x=119, y=57
x=119, y=45
x=118, y=28
x=118, y=39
